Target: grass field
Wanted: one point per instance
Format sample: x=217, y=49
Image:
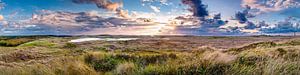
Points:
x=156, y=55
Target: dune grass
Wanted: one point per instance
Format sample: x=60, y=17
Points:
x=45, y=57
x=14, y=42
x=38, y=43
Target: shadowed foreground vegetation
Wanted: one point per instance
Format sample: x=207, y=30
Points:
x=55, y=56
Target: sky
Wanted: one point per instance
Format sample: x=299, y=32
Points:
x=27, y=7
x=149, y=17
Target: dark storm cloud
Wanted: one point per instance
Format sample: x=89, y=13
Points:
x=196, y=7
x=242, y=16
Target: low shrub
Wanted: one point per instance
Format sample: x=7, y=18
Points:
x=70, y=45
x=250, y=60
x=186, y=69
x=14, y=42
x=293, y=42
x=127, y=68
x=105, y=64
x=252, y=46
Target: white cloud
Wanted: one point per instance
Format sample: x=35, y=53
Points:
x=62, y=22
x=286, y=26
x=2, y=4
x=163, y=2
x=155, y=9
x=1, y=17
x=271, y=5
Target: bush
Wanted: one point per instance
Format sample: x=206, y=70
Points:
x=145, y=59
x=102, y=62
x=70, y=45
x=105, y=65
x=127, y=68
x=14, y=42
x=250, y=60
x=281, y=51
x=294, y=42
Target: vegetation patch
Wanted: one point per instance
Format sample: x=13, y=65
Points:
x=70, y=45
x=58, y=57
x=14, y=42
x=39, y=43
x=253, y=46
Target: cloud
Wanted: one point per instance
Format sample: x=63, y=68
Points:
x=163, y=2
x=2, y=4
x=271, y=5
x=1, y=17
x=240, y=23
x=69, y=22
x=62, y=23
x=61, y=18
x=199, y=23
x=106, y=4
x=242, y=16
x=155, y=9
x=196, y=7
x=286, y=26
x=234, y=26
x=123, y=13
x=192, y=25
